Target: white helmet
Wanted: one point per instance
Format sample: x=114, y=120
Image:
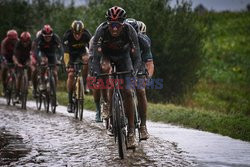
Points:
x=38, y=33
x=142, y=27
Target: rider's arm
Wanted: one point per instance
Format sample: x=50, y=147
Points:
x=135, y=52
x=146, y=54
x=97, y=50
x=3, y=49
x=15, y=54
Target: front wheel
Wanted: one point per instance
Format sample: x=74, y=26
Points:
x=80, y=99
x=24, y=91
x=118, y=121
x=53, y=95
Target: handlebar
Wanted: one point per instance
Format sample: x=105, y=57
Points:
x=115, y=73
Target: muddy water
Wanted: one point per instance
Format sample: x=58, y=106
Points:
x=59, y=140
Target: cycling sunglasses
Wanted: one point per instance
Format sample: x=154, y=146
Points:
x=47, y=35
x=114, y=24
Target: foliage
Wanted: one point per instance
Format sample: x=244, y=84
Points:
x=224, y=85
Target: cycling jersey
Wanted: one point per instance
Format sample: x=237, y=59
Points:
x=49, y=49
x=117, y=49
x=7, y=49
x=74, y=47
x=145, y=46
x=22, y=53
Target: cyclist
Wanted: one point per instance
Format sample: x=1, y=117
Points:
x=147, y=59
x=7, y=49
x=76, y=43
x=21, y=57
x=33, y=63
x=113, y=41
x=47, y=46
x=97, y=93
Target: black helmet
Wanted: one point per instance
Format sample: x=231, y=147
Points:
x=116, y=13
x=77, y=26
x=133, y=23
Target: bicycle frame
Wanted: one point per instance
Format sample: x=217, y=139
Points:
x=78, y=90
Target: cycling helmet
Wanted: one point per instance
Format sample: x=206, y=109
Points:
x=116, y=13
x=142, y=27
x=77, y=26
x=133, y=23
x=12, y=34
x=47, y=30
x=25, y=37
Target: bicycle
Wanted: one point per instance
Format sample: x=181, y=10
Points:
x=10, y=91
x=78, y=90
x=119, y=120
x=24, y=85
x=46, y=89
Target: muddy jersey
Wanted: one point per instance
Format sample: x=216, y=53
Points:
x=7, y=49
x=116, y=47
x=76, y=47
x=22, y=53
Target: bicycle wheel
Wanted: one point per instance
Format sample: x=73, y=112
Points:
x=46, y=100
x=39, y=101
x=119, y=122
x=8, y=91
x=39, y=95
x=80, y=99
x=53, y=94
x=13, y=91
x=24, y=90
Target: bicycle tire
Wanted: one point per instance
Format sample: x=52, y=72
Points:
x=75, y=104
x=8, y=92
x=53, y=94
x=120, y=132
x=80, y=99
x=13, y=91
x=24, y=90
x=46, y=102
x=39, y=101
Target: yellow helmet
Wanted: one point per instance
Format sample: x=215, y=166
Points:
x=77, y=26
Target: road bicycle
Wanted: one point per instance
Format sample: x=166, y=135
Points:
x=10, y=92
x=118, y=118
x=78, y=90
x=46, y=89
x=23, y=71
